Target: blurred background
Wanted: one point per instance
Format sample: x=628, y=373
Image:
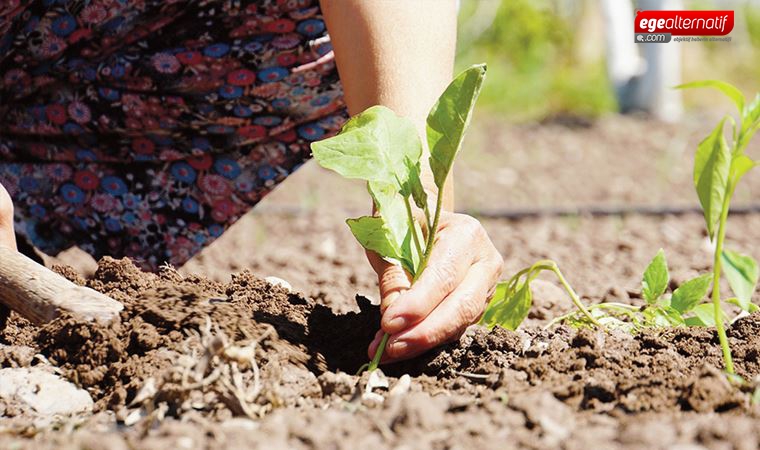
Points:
x=547, y=58
x=547, y=132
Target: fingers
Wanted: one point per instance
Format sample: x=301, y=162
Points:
x=448, y=321
x=374, y=344
x=391, y=278
x=452, y=255
x=7, y=236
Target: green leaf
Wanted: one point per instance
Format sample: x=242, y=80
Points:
x=508, y=309
x=663, y=316
x=373, y=146
x=753, y=308
x=728, y=89
x=750, y=122
x=390, y=205
x=752, y=114
x=704, y=316
x=373, y=234
x=740, y=165
x=414, y=185
x=690, y=293
x=656, y=278
x=711, y=168
x=449, y=119
x=494, y=305
x=742, y=273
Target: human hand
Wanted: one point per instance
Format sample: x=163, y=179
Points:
x=7, y=235
x=450, y=295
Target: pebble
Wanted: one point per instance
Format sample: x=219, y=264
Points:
x=279, y=282
x=42, y=392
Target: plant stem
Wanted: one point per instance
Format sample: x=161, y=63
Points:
x=573, y=296
x=423, y=263
x=378, y=353
x=412, y=227
x=431, y=233
x=716, y=281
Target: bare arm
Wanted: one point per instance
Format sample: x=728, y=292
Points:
x=395, y=53
x=400, y=54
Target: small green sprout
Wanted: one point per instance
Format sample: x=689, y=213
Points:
x=384, y=150
x=662, y=309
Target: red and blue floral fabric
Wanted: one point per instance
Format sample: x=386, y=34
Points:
x=145, y=128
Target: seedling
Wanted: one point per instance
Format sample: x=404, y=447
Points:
x=385, y=150
x=513, y=299
x=662, y=309
x=718, y=168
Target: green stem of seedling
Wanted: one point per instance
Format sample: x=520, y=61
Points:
x=573, y=296
x=423, y=263
x=412, y=225
x=622, y=308
x=431, y=232
x=716, y=281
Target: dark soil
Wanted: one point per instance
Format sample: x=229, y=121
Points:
x=534, y=383
x=170, y=374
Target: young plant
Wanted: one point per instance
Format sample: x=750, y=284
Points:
x=384, y=150
x=661, y=309
x=512, y=299
x=718, y=167
x=512, y=302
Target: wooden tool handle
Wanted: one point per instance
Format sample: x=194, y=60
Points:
x=40, y=295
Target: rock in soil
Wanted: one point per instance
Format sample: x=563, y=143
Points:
x=35, y=396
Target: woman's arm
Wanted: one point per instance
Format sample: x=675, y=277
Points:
x=400, y=54
x=395, y=53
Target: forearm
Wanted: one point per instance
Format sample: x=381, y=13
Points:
x=395, y=53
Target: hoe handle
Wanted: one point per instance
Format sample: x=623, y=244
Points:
x=40, y=295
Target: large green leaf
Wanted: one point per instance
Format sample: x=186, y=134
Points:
x=373, y=234
x=742, y=273
x=711, y=169
x=690, y=293
x=656, y=278
x=372, y=146
x=509, y=310
x=728, y=89
x=449, y=118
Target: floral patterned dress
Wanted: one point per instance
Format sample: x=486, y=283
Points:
x=145, y=128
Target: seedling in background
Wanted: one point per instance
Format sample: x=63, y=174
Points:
x=662, y=309
x=384, y=150
x=718, y=168
x=513, y=299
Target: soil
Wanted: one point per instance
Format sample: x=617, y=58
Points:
x=225, y=359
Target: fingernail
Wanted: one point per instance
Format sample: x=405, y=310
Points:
x=395, y=325
x=398, y=348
